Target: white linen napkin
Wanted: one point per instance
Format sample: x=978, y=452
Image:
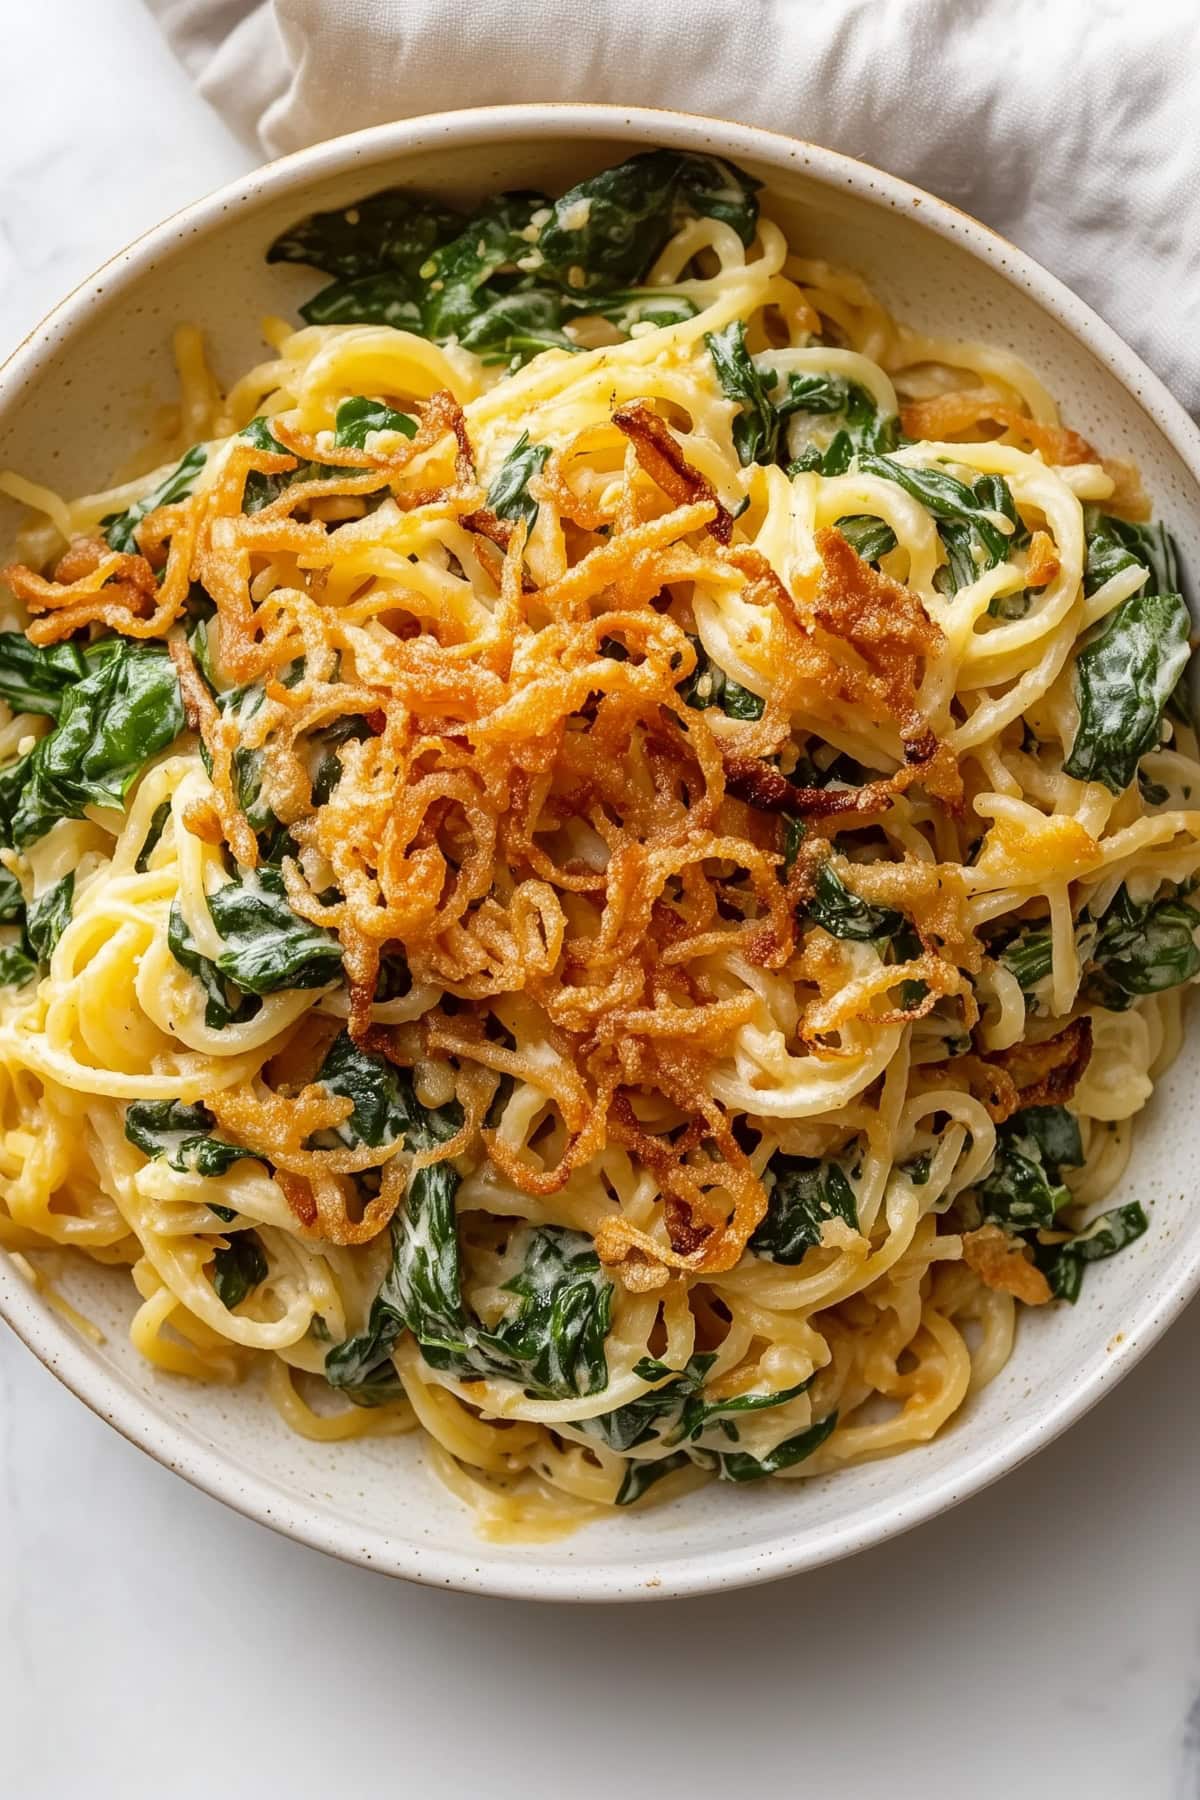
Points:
x=1068, y=125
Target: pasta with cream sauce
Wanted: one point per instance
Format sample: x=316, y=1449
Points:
x=597, y=858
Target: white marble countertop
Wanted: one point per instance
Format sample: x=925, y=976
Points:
x=1043, y=1639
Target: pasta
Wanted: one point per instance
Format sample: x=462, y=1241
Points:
x=597, y=860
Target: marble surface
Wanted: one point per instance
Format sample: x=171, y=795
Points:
x=1042, y=1639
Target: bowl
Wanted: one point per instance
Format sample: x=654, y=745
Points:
x=76, y=399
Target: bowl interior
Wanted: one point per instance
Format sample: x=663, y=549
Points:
x=78, y=400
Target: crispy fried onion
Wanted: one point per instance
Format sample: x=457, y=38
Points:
x=516, y=797
x=866, y=642
x=1031, y=1074
x=1003, y=1263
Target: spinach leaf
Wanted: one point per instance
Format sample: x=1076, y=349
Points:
x=110, y=725
x=390, y=230
x=708, y=685
x=119, y=528
x=504, y=281
x=757, y=428
x=15, y=967
x=492, y=239
x=738, y=1465
x=1123, y=680
x=49, y=916
x=1142, y=948
x=867, y=536
x=1023, y=1190
x=1063, y=1264
x=840, y=911
x=358, y=418
x=12, y=898
x=224, y=1004
x=509, y=496
x=259, y=489
x=698, y=1414
x=33, y=677
x=384, y=299
x=642, y=1420
x=970, y=537
x=552, y=1341
x=640, y=1477
x=158, y=824
x=181, y=1134
x=1116, y=544
x=1030, y=956
x=267, y=946
x=609, y=229
x=238, y=1270
x=386, y=1108
x=802, y=1195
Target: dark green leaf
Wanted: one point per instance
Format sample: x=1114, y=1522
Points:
x=970, y=536
x=359, y=417
x=1142, y=948
x=34, y=677
x=390, y=230
x=110, y=725
x=844, y=915
x=386, y=1108
x=224, y=1004
x=612, y=227
x=867, y=536
x=1116, y=544
x=238, y=1270
x=802, y=1194
x=1030, y=956
x=509, y=496
x=158, y=821
x=181, y=1134
x=1023, y=1190
x=15, y=967
x=640, y=1477
x=119, y=528
x=646, y=1418
x=267, y=946
x=708, y=685
x=385, y=299
x=49, y=915
x=737, y=1465
x=12, y=898
x=1123, y=679
x=1063, y=1264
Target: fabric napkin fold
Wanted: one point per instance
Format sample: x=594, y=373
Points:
x=1068, y=125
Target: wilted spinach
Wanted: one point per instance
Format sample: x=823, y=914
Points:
x=110, y=725
x=49, y=915
x=1123, y=680
x=1142, y=947
x=1029, y=956
x=867, y=536
x=182, y=1135
x=738, y=1465
x=1024, y=1189
x=802, y=1193
x=358, y=417
x=1116, y=544
x=1063, y=1264
x=758, y=428
x=15, y=967
x=34, y=677
x=504, y=281
x=844, y=915
x=964, y=515
x=708, y=685
x=238, y=1270
x=119, y=528
x=509, y=496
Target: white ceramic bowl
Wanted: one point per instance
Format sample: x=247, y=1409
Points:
x=76, y=398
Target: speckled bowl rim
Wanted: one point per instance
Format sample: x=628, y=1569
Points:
x=68, y=1356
